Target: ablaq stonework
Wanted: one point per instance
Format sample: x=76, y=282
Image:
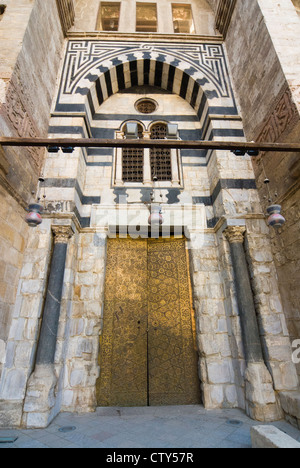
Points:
x=154, y=278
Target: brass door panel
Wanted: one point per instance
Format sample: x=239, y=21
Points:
x=123, y=359
x=148, y=354
x=172, y=357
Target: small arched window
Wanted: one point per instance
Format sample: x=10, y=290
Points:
x=133, y=162
x=160, y=158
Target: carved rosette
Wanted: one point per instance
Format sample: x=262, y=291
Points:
x=62, y=234
x=235, y=234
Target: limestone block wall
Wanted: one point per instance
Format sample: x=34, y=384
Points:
x=21, y=342
x=31, y=41
x=220, y=377
x=264, y=59
x=272, y=323
x=13, y=237
x=85, y=324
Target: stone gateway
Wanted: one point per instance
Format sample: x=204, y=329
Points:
x=154, y=278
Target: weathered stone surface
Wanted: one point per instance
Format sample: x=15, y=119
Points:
x=268, y=437
x=40, y=396
x=261, y=400
x=74, y=182
x=290, y=402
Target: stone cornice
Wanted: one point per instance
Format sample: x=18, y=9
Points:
x=153, y=37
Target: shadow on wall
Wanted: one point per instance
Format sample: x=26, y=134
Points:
x=2, y=11
x=297, y=5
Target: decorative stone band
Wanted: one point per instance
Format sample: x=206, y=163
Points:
x=62, y=234
x=224, y=15
x=283, y=117
x=66, y=14
x=235, y=234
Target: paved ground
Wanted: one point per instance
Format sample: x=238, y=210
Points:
x=155, y=427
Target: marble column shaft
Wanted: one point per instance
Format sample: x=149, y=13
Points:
x=249, y=325
x=48, y=334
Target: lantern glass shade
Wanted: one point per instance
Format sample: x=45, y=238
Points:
x=156, y=217
x=275, y=218
x=33, y=217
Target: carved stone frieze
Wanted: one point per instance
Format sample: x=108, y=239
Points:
x=59, y=206
x=19, y=117
x=283, y=116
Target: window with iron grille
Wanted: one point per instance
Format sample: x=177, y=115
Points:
x=133, y=162
x=160, y=158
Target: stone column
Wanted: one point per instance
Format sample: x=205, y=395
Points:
x=40, y=396
x=175, y=168
x=48, y=335
x=147, y=162
x=261, y=400
x=119, y=161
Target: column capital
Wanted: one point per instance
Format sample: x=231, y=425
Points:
x=62, y=234
x=146, y=135
x=235, y=234
x=120, y=135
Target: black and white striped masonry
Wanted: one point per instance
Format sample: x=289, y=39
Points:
x=95, y=70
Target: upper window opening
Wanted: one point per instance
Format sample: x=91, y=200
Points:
x=133, y=162
x=109, y=16
x=183, y=18
x=161, y=169
x=146, y=17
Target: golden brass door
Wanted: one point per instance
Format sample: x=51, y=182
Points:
x=147, y=348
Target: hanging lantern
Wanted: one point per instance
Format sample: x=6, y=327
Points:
x=34, y=218
x=275, y=219
x=156, y=217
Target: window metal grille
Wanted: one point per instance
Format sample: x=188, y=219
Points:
x=133, y=162
x=160, y=158
x=146, y=106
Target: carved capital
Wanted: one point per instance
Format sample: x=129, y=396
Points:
x=62, y=234
x=235, y=234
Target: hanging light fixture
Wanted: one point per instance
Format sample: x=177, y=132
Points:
x=275, y=218
x=35, y=209
x=156, y=217
x=33, y=217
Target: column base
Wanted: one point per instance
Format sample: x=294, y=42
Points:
x=40, y=397
x=262, y=403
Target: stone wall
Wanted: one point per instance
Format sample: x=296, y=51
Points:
x=31, y=42
x=85, y=324
x=264, y=60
